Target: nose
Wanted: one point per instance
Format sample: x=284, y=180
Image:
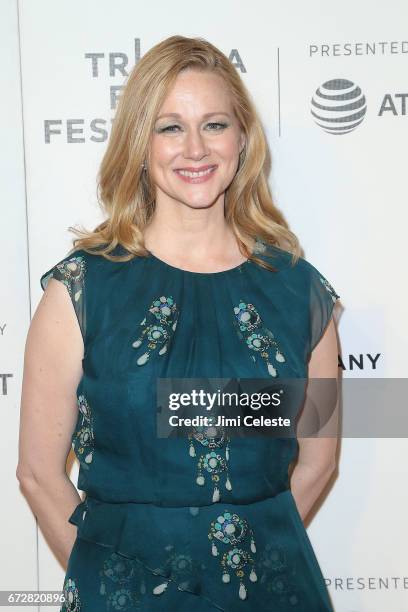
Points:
x=195, y=146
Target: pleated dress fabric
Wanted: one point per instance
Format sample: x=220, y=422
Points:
x=176, y=524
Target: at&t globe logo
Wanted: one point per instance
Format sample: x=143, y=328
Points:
x=338, y=106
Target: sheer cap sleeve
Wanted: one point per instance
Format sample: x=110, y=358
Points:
x=71, y=272
x=322, y=299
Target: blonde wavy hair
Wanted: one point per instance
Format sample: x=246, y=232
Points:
x=127, y=195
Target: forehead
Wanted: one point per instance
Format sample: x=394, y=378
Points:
x=195, y=91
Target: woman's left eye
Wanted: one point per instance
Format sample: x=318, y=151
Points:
x=221, y=125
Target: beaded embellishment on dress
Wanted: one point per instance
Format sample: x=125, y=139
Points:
x=180, y=568
x=83, y=438
x=233, y=531
x=72, y=602
x=258, y=338
x=159, y=325
x=329, y=288
x=121, y=582
x=213, y=439
x=72, y=272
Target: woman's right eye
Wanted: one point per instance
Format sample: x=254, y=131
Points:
x=168, y=128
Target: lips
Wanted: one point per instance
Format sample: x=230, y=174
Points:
x=199, y=169
x=196, y=175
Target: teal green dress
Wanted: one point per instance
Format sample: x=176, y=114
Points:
x=187, y=524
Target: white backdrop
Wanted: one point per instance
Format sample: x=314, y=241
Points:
x=344, y=195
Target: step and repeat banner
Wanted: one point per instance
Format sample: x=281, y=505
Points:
x=330, y=83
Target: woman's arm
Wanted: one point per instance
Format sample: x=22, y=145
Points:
x=52, y=371
x=317, y=456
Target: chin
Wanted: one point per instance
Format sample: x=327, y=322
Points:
x=202, y=203
x=198, y=200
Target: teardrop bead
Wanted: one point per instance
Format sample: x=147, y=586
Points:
x=77, y=295
x=216, y=495
x=88, y=458
x=228, y=485
x=252, y=576
x=160, y=588
x=142, y=359
x=253, y=547
x=136, y=343
x=226, y=578
x=271, y=370
x=192, y=452
x=227, y=453
x=279, y=357
x=214, y=550
x=242, y=591
x=163, y=350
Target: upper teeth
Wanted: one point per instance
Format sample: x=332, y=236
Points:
x=192, y=174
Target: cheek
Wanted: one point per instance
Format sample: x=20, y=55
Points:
x=227, y=149
x=161, y=152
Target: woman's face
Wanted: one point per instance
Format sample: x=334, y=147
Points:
x=196, y=130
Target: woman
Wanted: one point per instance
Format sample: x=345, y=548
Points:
x=194, y=273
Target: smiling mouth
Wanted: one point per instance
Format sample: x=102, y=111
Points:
x=197, y=173
x=196, y=176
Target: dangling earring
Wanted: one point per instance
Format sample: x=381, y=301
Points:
x=241, y=156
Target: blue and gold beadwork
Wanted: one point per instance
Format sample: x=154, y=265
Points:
x=233, y=531
x=215, y=441
x=72, y=272
x=258, y=338
x=159, y=325
x=83, y=437
x=122, y=582
x=72, y=602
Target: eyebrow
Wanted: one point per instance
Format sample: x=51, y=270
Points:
x=176, y=115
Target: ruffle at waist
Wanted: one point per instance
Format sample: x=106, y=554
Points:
x=224, y=552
